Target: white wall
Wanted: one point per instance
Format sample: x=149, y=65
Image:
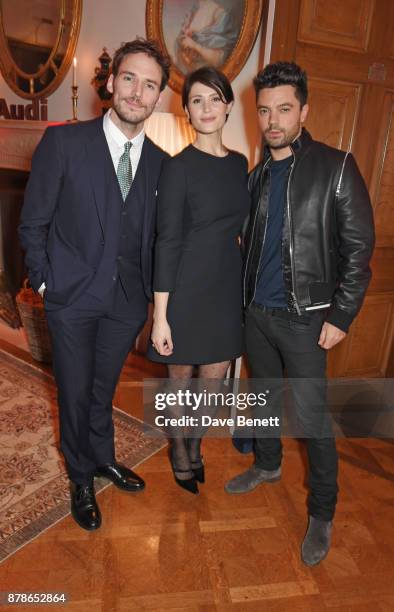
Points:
x=111, y=23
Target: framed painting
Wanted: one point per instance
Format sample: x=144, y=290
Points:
x=220, y=33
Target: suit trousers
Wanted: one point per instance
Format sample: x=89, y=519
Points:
x=278, y=341
x=90, y=340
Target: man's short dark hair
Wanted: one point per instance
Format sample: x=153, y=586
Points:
x=211, y=78
x=149, y=47
x=283, y=73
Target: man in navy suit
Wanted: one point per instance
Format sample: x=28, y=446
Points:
x=87, y=227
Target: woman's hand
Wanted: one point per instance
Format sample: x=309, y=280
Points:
x=161, y=337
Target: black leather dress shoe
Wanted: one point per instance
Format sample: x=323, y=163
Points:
x=84, y=508
x=121, y=476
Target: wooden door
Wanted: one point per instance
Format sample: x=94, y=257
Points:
x=347, y=49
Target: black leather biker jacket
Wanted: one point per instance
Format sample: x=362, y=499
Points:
x=328, y=231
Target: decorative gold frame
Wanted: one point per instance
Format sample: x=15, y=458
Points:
x=10, y=70
x=240, y=53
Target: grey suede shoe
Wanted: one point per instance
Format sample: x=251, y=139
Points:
x=249, y=480
x=317, y=541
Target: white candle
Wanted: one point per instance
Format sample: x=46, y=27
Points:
x=74, y=72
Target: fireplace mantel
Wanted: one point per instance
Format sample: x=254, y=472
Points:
x=18, y=139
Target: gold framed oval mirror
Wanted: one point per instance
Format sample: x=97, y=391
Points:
x=37, y=43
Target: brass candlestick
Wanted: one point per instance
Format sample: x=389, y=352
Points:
x=74, y=98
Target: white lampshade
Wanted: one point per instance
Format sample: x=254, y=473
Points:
x=170, y=132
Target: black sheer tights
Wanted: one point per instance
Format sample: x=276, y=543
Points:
x=186, y=447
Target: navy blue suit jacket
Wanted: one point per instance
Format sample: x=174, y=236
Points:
x=63, y=225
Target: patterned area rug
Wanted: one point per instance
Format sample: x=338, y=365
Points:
x=33, y=484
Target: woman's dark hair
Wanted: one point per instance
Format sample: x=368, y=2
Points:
x=283, y=73
x=211, y=78
x=149, y=47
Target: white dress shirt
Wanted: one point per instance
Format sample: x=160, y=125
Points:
x=116, y=141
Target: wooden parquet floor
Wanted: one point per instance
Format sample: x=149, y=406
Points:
x=165, y=549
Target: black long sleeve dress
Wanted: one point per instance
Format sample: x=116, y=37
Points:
x=203, y=201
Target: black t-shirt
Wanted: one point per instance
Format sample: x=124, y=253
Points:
x=270, y=290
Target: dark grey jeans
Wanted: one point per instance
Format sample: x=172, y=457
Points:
x=278, y=341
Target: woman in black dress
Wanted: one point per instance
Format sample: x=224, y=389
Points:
x=203, y=201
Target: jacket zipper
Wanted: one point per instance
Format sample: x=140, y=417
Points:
x=293, y=286
x=261, y=254
x=251, y=244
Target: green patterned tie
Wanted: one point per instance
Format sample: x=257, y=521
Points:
x=125, y=171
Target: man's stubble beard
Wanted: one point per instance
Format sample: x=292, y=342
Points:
x=282, y=145
x=288, y=140
x=131, y=120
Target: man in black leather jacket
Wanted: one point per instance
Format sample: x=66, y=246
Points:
x=308, y=244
